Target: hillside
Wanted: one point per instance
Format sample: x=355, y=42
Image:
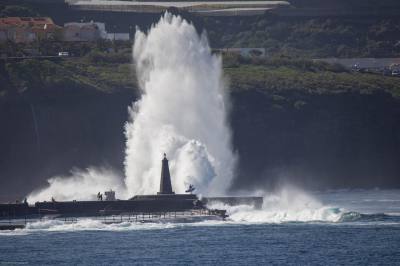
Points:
x=375, y=34
x=113, y=72
x=309, y=123
x=293, y=119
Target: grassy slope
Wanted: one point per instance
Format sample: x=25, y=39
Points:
x=319, y=82
x=269, y=76
x=105, y=77
x=34, y=76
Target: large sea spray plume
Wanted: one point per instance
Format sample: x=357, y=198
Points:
x=182, y=112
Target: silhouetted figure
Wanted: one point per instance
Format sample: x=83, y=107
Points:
x=190, y=189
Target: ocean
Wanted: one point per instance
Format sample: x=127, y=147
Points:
x=347, y=227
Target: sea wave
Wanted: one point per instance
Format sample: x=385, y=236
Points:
x=241, y=215
x=324, y=214
x=287, y=206
x=247, y=214
x=86, y=224
x=371, y=217
x=294, y=205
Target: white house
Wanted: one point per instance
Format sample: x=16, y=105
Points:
x=118, y=36
x=84, y=31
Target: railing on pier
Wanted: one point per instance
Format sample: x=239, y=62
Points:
x=119, y=218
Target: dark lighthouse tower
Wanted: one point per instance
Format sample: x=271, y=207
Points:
x=165, y=183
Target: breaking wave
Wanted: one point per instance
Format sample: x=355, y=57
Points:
x=374, y=217
x=247, y=214
x=240, y=215
x=289, y=205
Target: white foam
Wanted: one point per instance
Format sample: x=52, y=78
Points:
x=80, y=185
x=93, y=224
x=182, y=112
x=290, y=204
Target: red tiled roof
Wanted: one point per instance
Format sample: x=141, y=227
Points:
x=37, y=22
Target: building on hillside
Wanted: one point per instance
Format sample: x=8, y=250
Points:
x=245, y=52
x=118, y=36
x=27, y=29
x=84, y=31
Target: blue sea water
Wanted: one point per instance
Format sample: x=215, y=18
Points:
x=352, y=228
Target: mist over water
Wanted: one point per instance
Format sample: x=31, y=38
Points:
x=183, y=112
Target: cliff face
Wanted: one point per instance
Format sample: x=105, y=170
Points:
x=318, y=141
x=41, y=138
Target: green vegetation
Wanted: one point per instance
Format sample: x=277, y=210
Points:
x=112, y=72
x=106, y=77
x=101, y=66
x=290, y=43
x=361, y=35
x=44, y=76
x=276, y=75
x=309, y=37
x=40, y=75
x=53, y=47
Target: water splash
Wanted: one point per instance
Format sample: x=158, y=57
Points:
x=80, y=185
x=289, y=204
x=182, y=112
